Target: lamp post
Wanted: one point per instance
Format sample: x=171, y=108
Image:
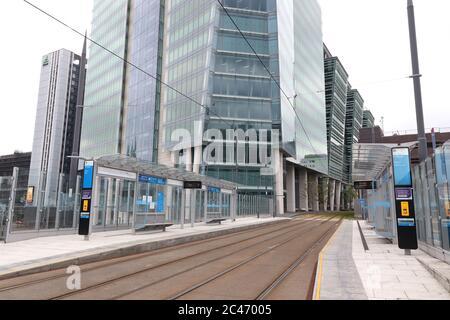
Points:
x=423, y=149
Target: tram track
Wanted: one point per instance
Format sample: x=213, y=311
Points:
x=293, y=267
x=279, y=279
x=260, y=232
x=130, y=258
x=303, y=226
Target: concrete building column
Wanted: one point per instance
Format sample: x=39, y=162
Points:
x=290, y=183
x=109, y=203
x=174, y=158
x=303, y=189
x=332, y=193
x=338, y=195
x=188, y=159
x=197, y=159
x=323, y=194
x=313, y=191
x=279, y=181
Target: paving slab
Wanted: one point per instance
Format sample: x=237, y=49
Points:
x=346, y=271
x=337, y=277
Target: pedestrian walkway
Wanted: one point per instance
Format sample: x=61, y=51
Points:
x=337, y=273
x=383, y=272
x=43, y=253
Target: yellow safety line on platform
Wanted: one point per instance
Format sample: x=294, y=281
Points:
x=320, y=271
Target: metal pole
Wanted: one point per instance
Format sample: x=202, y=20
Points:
x=133, y=222
x=76, y=208
x=58, y=201
x=423, y=149
x=433, y=139
x=192, y=207
x=12, y=202
x=183, y=207
x=39, y=200
x=205, y=204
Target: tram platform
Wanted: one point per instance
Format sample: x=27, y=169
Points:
x=50, y=253
x=346, y=271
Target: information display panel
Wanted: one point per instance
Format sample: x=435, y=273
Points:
x=404, y=199
x=86, y=199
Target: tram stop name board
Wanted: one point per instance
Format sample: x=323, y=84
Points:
x=404, y=199
x=86, y=199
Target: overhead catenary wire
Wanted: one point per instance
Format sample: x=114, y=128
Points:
x=268, y=71
x=157, y=78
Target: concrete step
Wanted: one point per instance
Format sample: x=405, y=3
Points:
x=439, y=269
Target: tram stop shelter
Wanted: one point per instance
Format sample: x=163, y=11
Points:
x=373, y=176
x=132, y=194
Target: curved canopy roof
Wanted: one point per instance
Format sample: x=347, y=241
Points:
x=125, y=163
x=371, y=159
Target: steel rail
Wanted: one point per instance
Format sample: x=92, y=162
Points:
x=146, y=255
x=130, y=275
x=242, y=263
x=282, y=277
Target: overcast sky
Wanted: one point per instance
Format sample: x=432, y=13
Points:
x=369, y=36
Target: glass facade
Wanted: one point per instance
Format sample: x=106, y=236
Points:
x=219, y=82
x=336, y=99
x=207, y=58
x=353, y=124
x=187, y=52
x=144, y=92
x=243, y=94
x=104, y=94
x=309, y=85
x=368, y=119
x=431, y=184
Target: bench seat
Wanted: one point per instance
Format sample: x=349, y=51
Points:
x=154, y=226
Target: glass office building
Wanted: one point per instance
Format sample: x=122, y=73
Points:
x=368, y=119
x=144, y=93
x=215, y=82
x=208, y=59
x=54, y=126
x=336, y=100
x=353, y=124
x=104, y=94
x=121, y=112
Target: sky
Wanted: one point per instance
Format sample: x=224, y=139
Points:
x=370, y=37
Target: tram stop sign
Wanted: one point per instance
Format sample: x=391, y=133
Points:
x=86, y=199
x=404, y=199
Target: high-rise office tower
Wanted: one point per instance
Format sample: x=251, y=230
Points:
x=368, y=119
x=121, y=107
x=336, y=86
x=216, y=82
x=336, y=80
x=353, y=124
x=55, y=124
x=210, y=56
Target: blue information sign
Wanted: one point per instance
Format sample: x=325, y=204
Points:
x=214, y=190
x=160, y=203
x=152, y=180
x=88, y=175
